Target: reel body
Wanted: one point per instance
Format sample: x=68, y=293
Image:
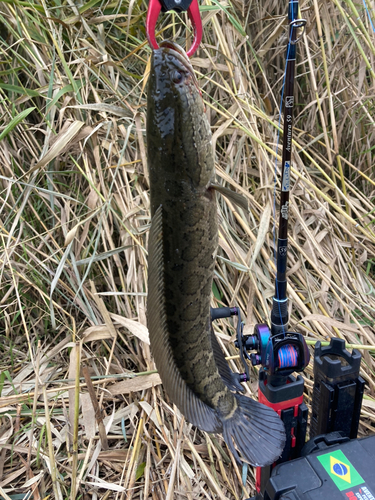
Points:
x=280, y=354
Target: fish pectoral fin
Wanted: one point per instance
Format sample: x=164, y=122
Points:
x=234, y=197
x=229, y=378
x=195, y=411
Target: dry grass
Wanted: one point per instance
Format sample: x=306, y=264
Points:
x=74, y=213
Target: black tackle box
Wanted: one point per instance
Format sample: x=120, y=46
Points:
x=332, y=468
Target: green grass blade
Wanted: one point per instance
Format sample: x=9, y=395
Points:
x=15, y=121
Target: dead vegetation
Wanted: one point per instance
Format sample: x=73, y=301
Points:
x=74, y=212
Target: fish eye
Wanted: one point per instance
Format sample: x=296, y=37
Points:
x=177, y=76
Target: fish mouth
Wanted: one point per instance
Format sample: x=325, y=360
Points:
x=178, y=52
x=168, y=44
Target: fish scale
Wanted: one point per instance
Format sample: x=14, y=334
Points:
x=182, y=252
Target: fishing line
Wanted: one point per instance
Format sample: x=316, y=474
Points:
x=368, y=15
x=287, y=356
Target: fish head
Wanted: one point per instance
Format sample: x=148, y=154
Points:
x=178, y=132
x=171, y=71
x=172, y=78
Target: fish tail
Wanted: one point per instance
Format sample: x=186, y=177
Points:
x=256, y=430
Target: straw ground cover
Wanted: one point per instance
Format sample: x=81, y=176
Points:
x=83, y=414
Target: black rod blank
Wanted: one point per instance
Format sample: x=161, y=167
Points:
x=279, y=315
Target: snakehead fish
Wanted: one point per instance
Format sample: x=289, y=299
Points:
x=182, y=249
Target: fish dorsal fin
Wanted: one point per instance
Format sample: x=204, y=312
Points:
x=194, y=410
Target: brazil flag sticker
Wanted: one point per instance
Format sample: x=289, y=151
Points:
x=340, y=470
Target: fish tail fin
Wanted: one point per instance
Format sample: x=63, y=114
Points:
x=257, y=431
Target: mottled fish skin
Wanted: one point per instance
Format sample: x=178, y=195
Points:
x=182, y=250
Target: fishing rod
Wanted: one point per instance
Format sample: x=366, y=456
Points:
x=279, y=351
x=279, y=315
